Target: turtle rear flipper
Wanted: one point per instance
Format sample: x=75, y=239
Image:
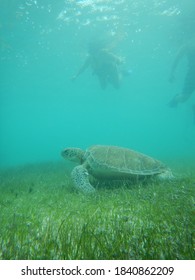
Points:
x=80, y=177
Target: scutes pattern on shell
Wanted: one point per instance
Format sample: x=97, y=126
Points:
x=121, y=160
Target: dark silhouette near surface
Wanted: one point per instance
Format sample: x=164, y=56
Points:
x=104, y=64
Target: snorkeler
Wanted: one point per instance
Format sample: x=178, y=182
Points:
x=187, y=51
x=104, y=64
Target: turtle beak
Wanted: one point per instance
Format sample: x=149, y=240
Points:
x=64, y=153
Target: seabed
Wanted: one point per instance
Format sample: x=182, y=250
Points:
x=43, y=217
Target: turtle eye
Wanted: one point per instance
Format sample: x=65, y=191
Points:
x=66, y=153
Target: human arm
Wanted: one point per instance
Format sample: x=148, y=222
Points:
x=109, y=57
x=176, y=61
x=82, y=68
x=117, y=59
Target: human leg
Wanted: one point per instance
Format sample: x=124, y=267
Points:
x=114, y=77
x=188, y=88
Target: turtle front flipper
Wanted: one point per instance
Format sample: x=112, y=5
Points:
x=80, y=178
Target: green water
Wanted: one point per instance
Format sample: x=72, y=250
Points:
x=42, y=111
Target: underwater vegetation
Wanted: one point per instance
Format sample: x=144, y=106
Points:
x=43, y=217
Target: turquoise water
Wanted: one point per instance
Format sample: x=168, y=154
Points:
x=42, y=111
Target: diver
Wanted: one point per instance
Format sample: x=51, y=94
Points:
x=188, y=51
x=104, y=65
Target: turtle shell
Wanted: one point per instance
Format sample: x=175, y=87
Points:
x=117, y=162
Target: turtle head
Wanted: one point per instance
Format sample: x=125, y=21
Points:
x=73, y=154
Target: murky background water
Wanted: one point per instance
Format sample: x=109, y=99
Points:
x=42, y=45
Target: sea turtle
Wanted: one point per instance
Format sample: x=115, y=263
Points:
x=111, y=162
